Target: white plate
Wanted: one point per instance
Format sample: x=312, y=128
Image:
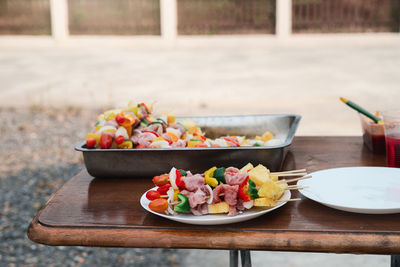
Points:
x=214, y=219
x=371, y=190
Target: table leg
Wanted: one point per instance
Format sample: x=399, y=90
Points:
x=246, y=258
x=395, y=261
x=233, y=258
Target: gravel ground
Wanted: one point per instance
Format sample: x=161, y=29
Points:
x=37, y=158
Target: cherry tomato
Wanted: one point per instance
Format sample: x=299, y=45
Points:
x=152, y=194
x=200, y=145
x=120, y=119
x=161, y=180
x=163, y=189
x=158, y=205
x=119, y=140
x=105, y=140
x=91, y=142
x=140, y=146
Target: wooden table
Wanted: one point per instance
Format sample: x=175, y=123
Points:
x=106, y=212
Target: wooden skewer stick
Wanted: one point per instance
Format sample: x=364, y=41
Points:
x=294, y=179
x=285, y=172
x=296, y=187
x=291, y=174
x=288, y=200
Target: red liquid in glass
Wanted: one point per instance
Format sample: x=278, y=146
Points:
x=393, y=152
x=375, y=143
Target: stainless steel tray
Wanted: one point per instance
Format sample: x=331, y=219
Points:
x=154, y=161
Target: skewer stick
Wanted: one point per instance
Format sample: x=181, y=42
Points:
x=296, y=187
x=288, y=200
x=285, y=172
x=291, y=174
x=294, y=179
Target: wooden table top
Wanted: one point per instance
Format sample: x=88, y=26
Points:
x=106, y=212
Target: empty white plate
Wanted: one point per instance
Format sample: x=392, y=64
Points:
x=371, y=190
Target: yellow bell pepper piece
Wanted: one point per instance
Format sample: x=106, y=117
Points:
x=126, y=144
x=209, y=179
x=176, y=192
x=160, y=138
x=193, y=143
x=173, y=137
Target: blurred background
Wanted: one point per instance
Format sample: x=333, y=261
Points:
x=64, y=61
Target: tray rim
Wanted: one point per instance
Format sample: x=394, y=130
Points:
x=288, y=141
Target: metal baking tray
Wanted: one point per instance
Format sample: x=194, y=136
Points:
x=154, y=161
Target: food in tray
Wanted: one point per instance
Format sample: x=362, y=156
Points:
x=137, y=127
x=219, y=190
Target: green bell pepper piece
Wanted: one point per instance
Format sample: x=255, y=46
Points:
x=162, y=121
x=219, y=174
x=183, y=172
x=253, y=192
x=184, y=206
x=183, y=126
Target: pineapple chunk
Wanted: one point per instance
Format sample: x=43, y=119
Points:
x=259, y=175
x=171, y=119
x=274, y=178
x=190, y=125
x=267, y=136
x=264, y=202
x=271, y=190
x=249, y=166
x=220, y=207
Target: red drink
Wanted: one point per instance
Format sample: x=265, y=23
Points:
x=393, y=151
x=375, y=143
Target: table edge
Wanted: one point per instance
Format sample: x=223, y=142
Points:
x=363, y=243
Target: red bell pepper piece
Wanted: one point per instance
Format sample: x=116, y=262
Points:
x=179, y=181
x=241, y=194
x=147, y=109
x=163, y=189
x=153, y=132
x=232, y=140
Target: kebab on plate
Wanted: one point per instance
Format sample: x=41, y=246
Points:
x=219, y=190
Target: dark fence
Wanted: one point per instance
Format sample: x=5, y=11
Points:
x=25, y=17
x=142, y=17
x=226, y=16
x=328, y=16
x=121, y=17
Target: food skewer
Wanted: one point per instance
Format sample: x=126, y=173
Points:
x=260, y=189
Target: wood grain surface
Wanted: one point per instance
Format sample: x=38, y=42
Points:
x=106, y=212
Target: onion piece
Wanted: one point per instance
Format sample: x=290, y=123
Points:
x=170, y=194
x=172, y=178
x=122, y=132
x=170, y=211
x=210, y=199
x=248, y=204
x=159, y=144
